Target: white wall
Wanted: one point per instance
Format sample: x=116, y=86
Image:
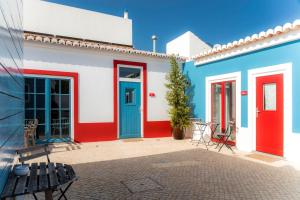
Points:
x=187, y=45
x=95, y=70
x=55, y=19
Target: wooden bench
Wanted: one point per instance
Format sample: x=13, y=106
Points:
x=45, y=177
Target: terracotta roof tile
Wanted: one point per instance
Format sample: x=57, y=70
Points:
x=28, y=36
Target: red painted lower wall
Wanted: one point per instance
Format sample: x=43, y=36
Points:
x=157, y=129
x=92, y=132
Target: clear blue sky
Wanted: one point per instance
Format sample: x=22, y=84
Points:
x=214, y=21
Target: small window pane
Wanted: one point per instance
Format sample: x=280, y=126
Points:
x=55, y=86
x=40, y=132
x=55, y=129
x=65, y=101
x=40, y=101
x=29, y=85
x=64, y=86
x=65, y=129
x=129, y=73
x=129, y=96
x=29, y=100
x=54, y=101
x=40, y=85
x=29, y=114
x=65, y=114
x=54, y=116
x=40, y=115
x=269, y=96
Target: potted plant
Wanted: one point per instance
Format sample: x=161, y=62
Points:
x=179, y=110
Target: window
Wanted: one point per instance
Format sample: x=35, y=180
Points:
x=269, y=90
x=48, y=100
x=223, y=99
x=129, y=96
x=134, y=73
x=35, y=107
x=60, y=108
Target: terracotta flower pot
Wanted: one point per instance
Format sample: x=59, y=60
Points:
x=178, y=134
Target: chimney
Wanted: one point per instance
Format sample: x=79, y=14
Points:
x=125, y=14
x=154, y=38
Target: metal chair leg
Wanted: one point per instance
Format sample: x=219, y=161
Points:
x=34, y=196
x=64, y=191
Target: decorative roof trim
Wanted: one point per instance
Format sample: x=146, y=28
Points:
x=271, y=37
x=79, y=43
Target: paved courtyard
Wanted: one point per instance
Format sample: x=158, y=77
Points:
x=167, y=169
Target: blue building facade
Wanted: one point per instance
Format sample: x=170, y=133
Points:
x=11, y=84
x=237, y=67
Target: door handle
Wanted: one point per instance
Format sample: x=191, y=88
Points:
x=257, y=112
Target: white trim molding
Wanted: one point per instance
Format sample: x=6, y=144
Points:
x=286, y=70
x=249, y=44
x=236, y=76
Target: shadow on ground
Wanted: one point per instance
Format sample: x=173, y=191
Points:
x=190, y=174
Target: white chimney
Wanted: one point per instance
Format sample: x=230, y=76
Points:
x=125, y=14
x=154, y=38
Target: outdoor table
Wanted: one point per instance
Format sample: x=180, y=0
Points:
x=42, y=177
x=201, y=126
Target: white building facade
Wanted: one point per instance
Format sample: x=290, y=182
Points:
x=91, y=85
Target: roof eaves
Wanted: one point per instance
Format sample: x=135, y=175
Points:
x=220, y=49
x=73, y=42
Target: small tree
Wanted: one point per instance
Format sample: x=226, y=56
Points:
x=178, y=101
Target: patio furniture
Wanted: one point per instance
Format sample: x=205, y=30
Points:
x=30, y=132
x=43, y=177
x=225, y=136
x=199, y=128
x=213, y=127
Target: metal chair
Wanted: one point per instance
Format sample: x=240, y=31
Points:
x=229, y=130
x=30, y=131
x=213, y=127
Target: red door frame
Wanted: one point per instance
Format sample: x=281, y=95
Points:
x=83, y=132
x=223, y=125
x=116, y=82
x=151, y=129
x=270, y=139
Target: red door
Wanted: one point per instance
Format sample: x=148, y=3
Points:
x=269, y=114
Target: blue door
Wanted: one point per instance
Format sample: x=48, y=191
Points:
x=130, y=114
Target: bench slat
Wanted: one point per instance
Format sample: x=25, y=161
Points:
x=10, y=185
x=32, y=183
x=61, y=173
x=70, y=172
x=53, y=180
x=21, y=185
x=43, y=178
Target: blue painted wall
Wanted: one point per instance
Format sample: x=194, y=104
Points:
x=288, y=52
x=11, y=84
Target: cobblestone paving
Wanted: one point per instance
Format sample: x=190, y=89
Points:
x=190, y=174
